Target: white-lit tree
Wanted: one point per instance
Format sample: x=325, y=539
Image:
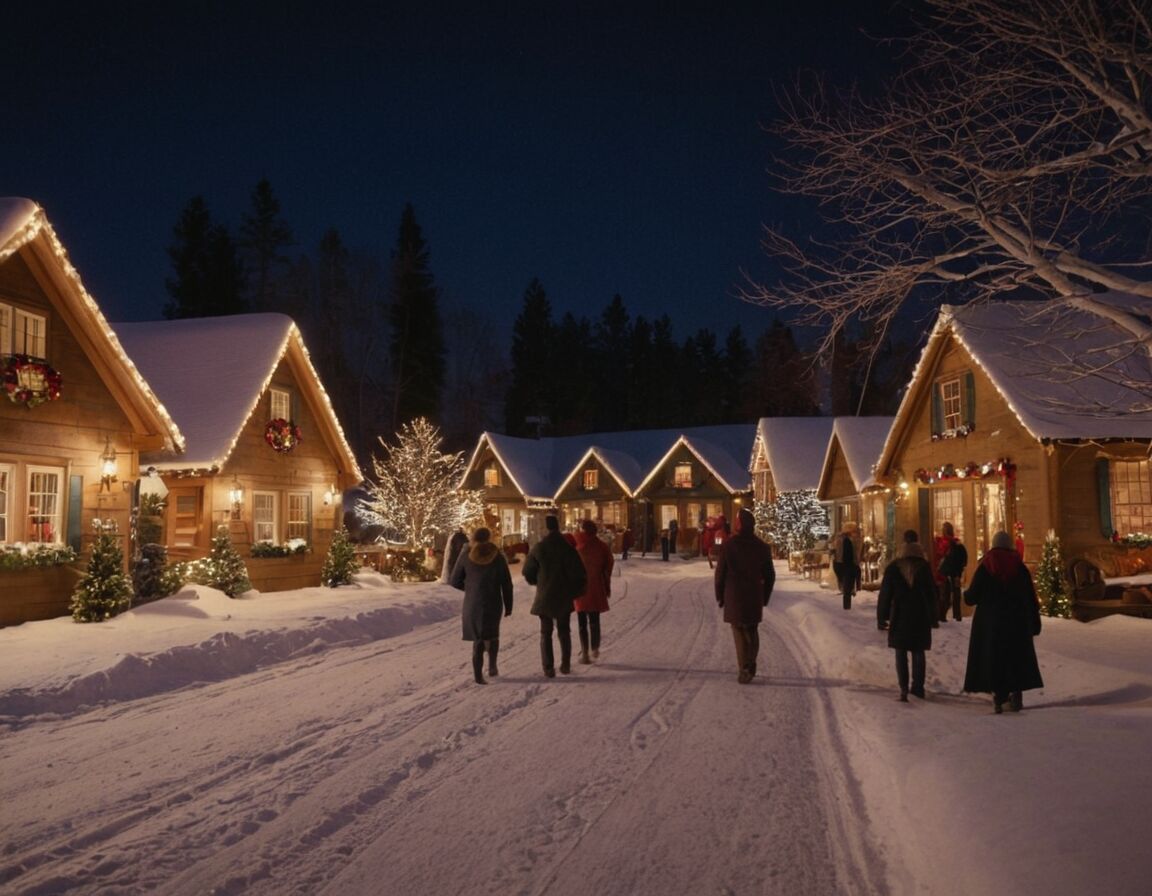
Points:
x=793, y=521
x=1050, y=582
x=414, y=495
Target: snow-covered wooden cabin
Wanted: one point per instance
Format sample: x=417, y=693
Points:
x=265, y=454
x=75, y=415
x=787, y=455
x=1030, y=417
x=639, y=479
x=849, y=490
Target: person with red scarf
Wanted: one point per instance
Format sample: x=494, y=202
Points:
x=1001, y=653
x=597, y=559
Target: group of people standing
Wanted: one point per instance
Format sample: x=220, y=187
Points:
x=569, y=577
x=914, y=598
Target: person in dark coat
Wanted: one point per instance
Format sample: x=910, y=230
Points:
x=744, y=578
x=673, y=535
x=556, y=570
x=482, y=574
x=846, y=561
x=1001, y=653
x=627, y=540
x=598, y=562
x=452, y=552
x=906, y=609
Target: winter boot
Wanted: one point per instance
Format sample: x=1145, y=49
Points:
x=547, y=657
x=1016, y=701
x=493, y=649
x=478, y=662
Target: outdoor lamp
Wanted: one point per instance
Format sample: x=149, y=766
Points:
x=108, y=466
x=330, y=496
x=236, y=494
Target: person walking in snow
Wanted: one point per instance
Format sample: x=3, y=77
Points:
x=1001, y=653
x=906, y=609
x=627, y=540
x=846, y=561
x=556, y=570
x=482, y=574
x=950, y=557
x=598, y=562
x=452, y=552
x=744, y=578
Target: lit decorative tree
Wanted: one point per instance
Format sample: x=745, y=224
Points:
x=105, y=591
x=340, y=564
x=223, y=568
x=1050, y=582
x=793, y=521
x=414, y=496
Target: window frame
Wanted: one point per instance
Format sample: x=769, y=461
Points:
x=952, y=404
x=590, y=479
x=7, y=481
x=306, y=522
x=279, y=397
x=491, y=476
x=678, y=478
x=260, y=524
x=57, y=517
x=11, y=317
x=1125, y=475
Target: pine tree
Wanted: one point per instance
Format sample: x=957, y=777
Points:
x=223, y=568
x=531, y=392
x=414, y=496
x=1050, y=582
x=417, y=344
x=263, y=236
x=340, y=564
x=105, y=590
x=209, y=276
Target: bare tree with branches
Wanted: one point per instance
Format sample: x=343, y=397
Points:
x=1010, y=157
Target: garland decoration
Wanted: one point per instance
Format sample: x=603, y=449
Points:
x=29, y=381
x=281, y=434
x=970, y=470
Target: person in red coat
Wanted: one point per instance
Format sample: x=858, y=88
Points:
x=744, y=580
x=598, y=563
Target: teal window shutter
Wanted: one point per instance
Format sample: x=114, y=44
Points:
x=75, y=506
x=1104, y=495
x=970, y=399
x=937, y=411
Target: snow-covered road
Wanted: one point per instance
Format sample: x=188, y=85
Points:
x=380, y=768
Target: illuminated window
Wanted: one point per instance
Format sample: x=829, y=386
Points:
x=491, y=476
x=1131, y=494
x=951, y=396
x=45, y=503
x=264, y=522
x=281, y=404
x=299, y=522
x=948, y=506
x=683, y=476
x=22, y=332
x=591, y=479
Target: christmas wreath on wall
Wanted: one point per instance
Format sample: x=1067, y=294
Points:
x=281, y=434
x=28, y=381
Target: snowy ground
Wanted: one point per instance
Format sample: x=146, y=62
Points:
x=332, y=742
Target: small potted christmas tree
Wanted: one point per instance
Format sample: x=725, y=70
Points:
x=105, y=590
x=340, y=564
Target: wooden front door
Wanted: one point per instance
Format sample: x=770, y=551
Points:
x=186, y=519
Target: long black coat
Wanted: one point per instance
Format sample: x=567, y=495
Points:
x=744, y=578
x=558, y=573
x=482, y=574
x=907, y=603
x=1001, y=655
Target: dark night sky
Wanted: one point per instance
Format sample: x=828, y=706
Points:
x=604, y=148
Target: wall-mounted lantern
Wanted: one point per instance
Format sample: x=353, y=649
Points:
x=109, y=467
x=236, y=496
x=330, y=495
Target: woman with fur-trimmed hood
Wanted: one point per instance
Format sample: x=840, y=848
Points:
x=482, y=574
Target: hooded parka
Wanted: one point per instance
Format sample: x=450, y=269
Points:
x=482, y=574
x=906, y=604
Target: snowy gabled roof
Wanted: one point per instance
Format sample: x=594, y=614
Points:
x=24, y=225
x=540, y=467
x=212, y=373
x=1066, y=373
x=861, y=441
x=794, y=448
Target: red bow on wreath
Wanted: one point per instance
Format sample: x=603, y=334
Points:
x=281, y=434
